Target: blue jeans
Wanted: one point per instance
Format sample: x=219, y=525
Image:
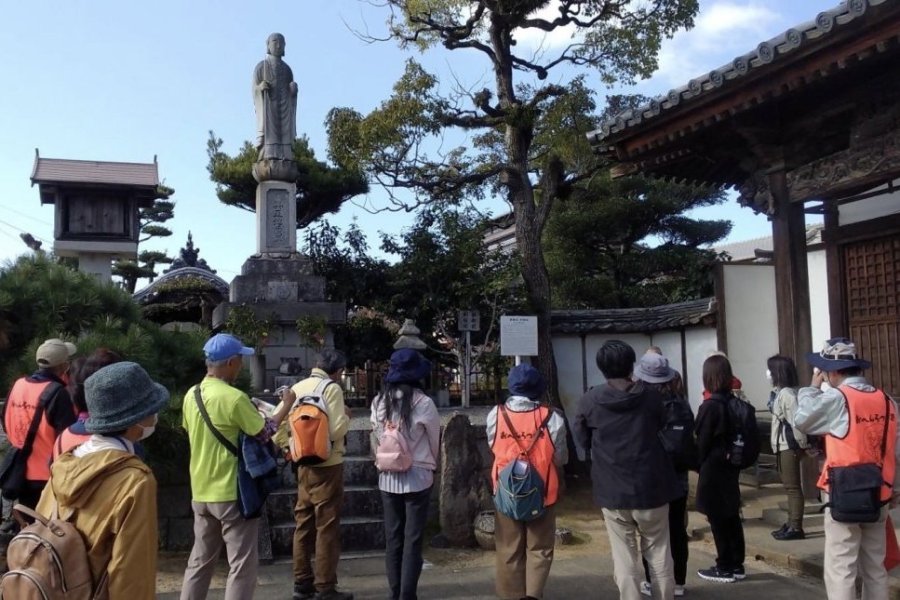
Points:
x=405, y=516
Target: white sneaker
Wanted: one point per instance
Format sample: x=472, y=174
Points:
x=646, y=589
x=679, y=590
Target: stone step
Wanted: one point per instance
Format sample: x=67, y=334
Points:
x=357, y=442
x=359, y=501
x=358, y=470
x=358, y=534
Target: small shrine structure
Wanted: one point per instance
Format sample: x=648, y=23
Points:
x=96, y=207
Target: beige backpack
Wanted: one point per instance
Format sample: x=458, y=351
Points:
x=48, y=561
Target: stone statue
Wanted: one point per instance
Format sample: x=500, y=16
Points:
x=275, y=100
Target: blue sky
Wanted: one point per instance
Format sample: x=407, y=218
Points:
x=124, y=81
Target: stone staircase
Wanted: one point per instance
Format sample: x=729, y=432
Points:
x=362, y=523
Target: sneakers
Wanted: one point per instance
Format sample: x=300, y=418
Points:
x=789, y=534
x=778, y=532
x=647, y=589
x=739, y=573
x=334, y=595
x=718, y=575
x=304, y=590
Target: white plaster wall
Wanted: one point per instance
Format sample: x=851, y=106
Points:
x=751, y=322
x=670, y=344
x=700, y=343
x=569, y=361
x=870, y=208
x=818, y=298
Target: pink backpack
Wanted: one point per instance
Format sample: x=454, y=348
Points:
x=392, y=453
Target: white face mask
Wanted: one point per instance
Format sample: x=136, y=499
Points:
x=148, y=431
x=769, y=376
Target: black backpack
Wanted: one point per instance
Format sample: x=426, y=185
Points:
x=677, y=435
x=744, y=445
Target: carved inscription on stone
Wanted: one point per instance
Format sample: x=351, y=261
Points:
x=277, y=232
x=282, y=291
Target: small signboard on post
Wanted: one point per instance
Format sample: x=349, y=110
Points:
x=469, y=320
x=518, y=336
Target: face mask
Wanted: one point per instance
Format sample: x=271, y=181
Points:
x=769, y=376
x=148, y=431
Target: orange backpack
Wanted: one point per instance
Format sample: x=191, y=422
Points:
x=310, y=429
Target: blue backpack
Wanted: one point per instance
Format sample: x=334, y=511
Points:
x=520, y=488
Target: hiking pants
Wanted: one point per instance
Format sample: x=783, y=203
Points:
x=524, y=554
x=635, y=533
x=320, y=493
x=217, y=524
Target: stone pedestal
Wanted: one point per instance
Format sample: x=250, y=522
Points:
x=276, y=218
x=283, y=290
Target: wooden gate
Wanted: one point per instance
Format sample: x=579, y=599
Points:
x=872, y=284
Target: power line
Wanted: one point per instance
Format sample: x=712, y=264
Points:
x=27, y=216
x=8, y=224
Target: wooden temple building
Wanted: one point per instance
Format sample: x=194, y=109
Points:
x=806, y=123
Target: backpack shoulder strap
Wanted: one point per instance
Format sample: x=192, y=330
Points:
x=43, y=400
x=887, y=421
x=537, y=434
x=198, y=397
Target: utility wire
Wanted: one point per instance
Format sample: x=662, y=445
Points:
x=27, y=216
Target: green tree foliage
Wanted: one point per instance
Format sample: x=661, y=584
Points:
x=353, y=276
x=41, y=298
x=444, y=267
x=617, y=243
x=151, y=219
x=516, y=128
x=321, y=189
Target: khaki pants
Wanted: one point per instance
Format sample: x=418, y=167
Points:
x=320, y=492
x=851, y=549
x=652, y=525
x=524, y=554
x=217, y=524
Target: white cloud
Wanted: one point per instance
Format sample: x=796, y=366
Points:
x=722, y=31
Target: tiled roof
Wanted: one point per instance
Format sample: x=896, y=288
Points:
x=149, y=293
x=827, y=23
x=634, y=320
x=746, y=249
x=58, y=170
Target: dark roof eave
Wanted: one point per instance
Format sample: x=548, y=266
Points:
x=768, y=54
x=635, y=320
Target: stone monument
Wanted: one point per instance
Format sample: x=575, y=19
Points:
x=277, y=283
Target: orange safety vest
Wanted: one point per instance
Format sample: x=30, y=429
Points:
x=507, y=449
x=68, y=440
x=862, y=444
x=20, y=407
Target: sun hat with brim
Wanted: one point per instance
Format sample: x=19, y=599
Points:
x=120, y=395
x=836, y=355
x=407, y=366
x=525, y=380
x=654, y=368
x=223, y=346
x=54, y=352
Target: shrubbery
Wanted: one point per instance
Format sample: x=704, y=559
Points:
x=40, y=298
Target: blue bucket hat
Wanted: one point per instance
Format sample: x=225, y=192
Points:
x=120, y=395
x=407, y=366
x=837, y=354
x=223, y=346
x=525, y=380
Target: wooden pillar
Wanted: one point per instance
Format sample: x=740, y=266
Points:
x=791, y=274
x=835, y=269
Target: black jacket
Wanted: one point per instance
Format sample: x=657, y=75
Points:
x=718, y=489
x=631, y=469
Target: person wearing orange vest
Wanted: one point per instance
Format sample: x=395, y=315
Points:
x=851, y=415
x=53, y=358
x=524, y=549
